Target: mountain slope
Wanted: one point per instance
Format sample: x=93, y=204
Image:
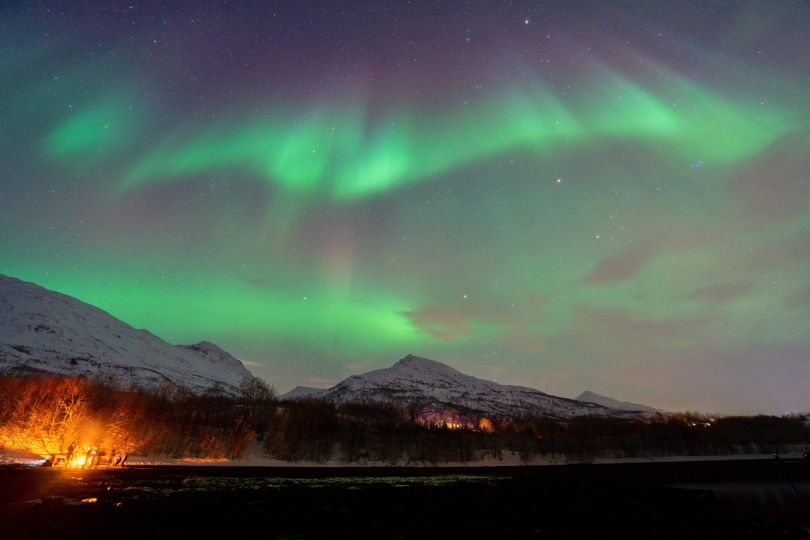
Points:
x=591, y=397
x=45, y=331
x=302, y=392
x=420, y=382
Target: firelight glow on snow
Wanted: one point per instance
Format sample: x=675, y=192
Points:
x=566, y=195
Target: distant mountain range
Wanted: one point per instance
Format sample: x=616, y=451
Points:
x=421, y=382
x=42, y=331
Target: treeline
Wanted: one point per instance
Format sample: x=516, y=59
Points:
x=314, y=430
x=662, y=435
x=317, y=431
x=47, y=414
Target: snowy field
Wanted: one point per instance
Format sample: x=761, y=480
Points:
x=507, y=459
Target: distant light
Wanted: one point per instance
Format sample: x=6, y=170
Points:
x=526, y=20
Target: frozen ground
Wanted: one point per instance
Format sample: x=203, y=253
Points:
x=507, y=459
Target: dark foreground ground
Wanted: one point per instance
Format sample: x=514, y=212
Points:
x=750, y=499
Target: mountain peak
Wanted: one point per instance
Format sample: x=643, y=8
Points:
x=412, y=359
x=587, y=395
x=303, y=392
x=419, y=363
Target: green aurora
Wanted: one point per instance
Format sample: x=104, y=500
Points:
x=632, y=226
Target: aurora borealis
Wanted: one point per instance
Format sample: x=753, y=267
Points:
x=567, y=195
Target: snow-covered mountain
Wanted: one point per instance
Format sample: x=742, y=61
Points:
x=45, y=331
x=590, y=397
x=420, y=382
x=301, y=392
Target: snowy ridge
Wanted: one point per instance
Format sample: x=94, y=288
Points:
x=421, y=382
x=301, y=392
x=592, y=397
x=45, y=331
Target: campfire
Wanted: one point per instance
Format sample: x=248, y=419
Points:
x=85, y=457
x=57, y=419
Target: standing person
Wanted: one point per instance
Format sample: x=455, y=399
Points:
x=69, y=455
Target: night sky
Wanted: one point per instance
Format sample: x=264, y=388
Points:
x=564, y=195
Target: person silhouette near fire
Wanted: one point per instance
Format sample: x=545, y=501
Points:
x=69, y=454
